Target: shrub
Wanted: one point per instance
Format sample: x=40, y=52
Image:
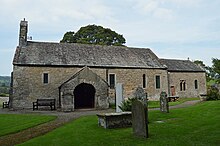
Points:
x=112, y=106
x=126, y=104
x=213, y=93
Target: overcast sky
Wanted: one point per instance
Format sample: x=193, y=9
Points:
x=175, y=29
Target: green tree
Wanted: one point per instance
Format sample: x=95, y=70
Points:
x=216, y=68
x=68, y=37
x=93, y=34
x=200, y=63
x=209, y=70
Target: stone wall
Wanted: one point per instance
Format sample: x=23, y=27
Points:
x=28, y=82
x=132, y=78
x=89, y=77
x=189, y=78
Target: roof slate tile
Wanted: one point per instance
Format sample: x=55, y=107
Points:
x=72, y=54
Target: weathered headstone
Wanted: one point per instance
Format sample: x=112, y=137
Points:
x=140, y=95
x=164, y=106
x=119, y=96
x=139, y=119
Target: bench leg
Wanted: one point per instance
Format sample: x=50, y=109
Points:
x=5, y=105
x=35, y=106
x=52, y=107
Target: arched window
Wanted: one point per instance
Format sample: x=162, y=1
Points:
x=182, y=85
x=196, y=84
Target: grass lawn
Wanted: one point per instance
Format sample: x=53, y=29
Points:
x=156, y=104
x=12, y=123
x=196, y=125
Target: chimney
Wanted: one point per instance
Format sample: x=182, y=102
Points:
x=23, y=33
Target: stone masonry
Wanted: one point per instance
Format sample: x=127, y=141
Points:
x=28, y=83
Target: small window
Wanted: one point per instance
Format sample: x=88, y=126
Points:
x=196, y=84
x=157, y=82
x=182, y=85
x=112, y=80
x=45, y=78
x=144, y=81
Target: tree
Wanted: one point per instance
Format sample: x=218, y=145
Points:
x=209, y=71
x=200, y=63
x=216, y=68
x=68, y=37
x=93, y=34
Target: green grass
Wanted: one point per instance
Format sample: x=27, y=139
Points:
x=156, y=104
x=12, y=123
x=196, y=125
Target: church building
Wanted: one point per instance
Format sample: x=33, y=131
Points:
x=82, y=76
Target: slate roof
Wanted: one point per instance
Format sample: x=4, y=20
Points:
x=72, y=54
x=181, y=65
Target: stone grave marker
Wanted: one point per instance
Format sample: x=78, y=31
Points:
x=139, y=119
x=164, y=106
x=140, y=95
x=119, y=96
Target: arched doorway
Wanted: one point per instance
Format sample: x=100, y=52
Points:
x=84, y=96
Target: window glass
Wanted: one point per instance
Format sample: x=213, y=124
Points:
x=144, y=81
x=112, y=80
x=196, y=84
x=45, y=78
x=157, y=82
x=182, y=85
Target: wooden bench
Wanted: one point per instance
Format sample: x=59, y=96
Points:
x=5, y=104
x=44, y=102
x=173, y=98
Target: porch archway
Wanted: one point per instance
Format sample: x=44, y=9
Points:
x=84, y=96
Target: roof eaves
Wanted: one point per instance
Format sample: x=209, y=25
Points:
x=91, y=66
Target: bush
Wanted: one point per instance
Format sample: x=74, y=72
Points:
x=126, y=104
x=213, y=93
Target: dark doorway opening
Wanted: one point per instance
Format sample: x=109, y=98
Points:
x=84, y=96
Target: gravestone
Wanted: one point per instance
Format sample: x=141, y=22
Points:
x=140, y=95
x=164, y=107
x=119, y=96
x=139, y=119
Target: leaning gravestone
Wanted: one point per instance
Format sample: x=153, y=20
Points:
x=119, y=96
x=139, y=119
x=164, y=106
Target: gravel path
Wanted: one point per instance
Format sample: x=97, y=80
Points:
x=62, y=118
x=182, y=105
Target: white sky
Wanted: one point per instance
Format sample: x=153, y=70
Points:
x=175, y=29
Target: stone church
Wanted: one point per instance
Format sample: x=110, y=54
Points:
x=84, y=76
